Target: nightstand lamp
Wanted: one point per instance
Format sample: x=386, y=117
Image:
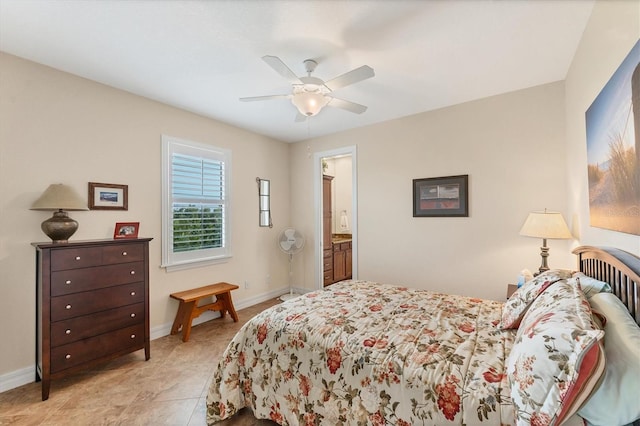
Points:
x=59, y=197
x=545, y=225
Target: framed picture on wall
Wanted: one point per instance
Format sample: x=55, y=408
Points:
x=441, y=196
x=108, y=196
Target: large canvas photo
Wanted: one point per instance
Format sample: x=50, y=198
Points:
x=613, y=150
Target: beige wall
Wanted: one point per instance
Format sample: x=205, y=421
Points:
x=511, y=146
x=56, y=127
x=612, y=31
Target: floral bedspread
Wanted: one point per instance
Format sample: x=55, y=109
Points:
x=362, y=353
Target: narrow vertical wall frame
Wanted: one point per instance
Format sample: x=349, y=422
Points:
x=264, y=202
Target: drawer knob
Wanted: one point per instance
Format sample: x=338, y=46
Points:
x=67, y=356
x=68, y=307
x=133, y=315
x=67, y=282
x=77, y=257
x=133, y=336
x=132, y=272
x=124, y=253
x=67, y=331
x=133, y=293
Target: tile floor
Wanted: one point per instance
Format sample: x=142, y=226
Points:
x=169, y=389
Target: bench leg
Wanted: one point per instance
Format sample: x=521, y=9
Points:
x=225, y=298
x=189, y=314
x=183, y=319
x=177, y=322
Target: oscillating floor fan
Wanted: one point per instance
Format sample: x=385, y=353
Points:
x=291, y=242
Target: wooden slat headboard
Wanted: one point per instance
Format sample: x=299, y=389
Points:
x=618, y=268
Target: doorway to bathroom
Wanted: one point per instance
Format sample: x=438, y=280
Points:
x=335, y=187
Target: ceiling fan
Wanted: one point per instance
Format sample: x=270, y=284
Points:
x=311, y=94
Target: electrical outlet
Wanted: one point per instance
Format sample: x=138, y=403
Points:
x=246, y=285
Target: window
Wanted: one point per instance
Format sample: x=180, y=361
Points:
x=195, y=204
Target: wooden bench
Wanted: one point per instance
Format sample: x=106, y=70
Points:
x=189, y=309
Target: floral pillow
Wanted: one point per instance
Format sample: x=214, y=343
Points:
x=557, y=358
x=590, y=286
x=515, y=308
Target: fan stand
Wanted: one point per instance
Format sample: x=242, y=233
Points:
x=291, y=294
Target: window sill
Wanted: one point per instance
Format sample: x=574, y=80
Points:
x=190, y=264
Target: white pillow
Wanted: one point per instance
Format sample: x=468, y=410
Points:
x=615, y=402
x=589, y=286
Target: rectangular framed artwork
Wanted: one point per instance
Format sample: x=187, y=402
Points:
x=108, y=196
x=126, y=230
x=441, y=196
x=613, y=150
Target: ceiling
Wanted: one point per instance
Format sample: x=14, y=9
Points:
x=202, y=56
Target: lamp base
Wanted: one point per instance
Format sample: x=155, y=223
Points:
x=59, y=227
x=544, y=254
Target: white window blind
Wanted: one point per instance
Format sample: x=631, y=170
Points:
x=195, y=203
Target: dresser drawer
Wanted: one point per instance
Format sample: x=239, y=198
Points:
x=75, y=258
x=76, y=280
x=71, y=330
x=123, y=253
x=76, y=353
x=88, y=302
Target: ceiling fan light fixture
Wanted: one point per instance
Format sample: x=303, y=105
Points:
x=311, y=94
x=309, y=103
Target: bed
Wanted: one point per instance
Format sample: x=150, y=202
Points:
x=361, y=353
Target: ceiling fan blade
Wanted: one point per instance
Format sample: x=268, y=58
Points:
x=347, y=105
x=280, y=67
x=263, y=98
x=350, y=77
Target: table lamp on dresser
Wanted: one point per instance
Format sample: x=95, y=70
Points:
x=58, y=197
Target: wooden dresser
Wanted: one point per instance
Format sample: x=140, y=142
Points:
x=92, y=304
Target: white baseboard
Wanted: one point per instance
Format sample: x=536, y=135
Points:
x=26, y=375
x=17, y=378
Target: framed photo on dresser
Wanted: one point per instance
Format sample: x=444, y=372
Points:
x=126, y=230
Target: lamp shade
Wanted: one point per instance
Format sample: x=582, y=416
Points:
x=59, y=197
x=549, y=225
x=309, y=103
